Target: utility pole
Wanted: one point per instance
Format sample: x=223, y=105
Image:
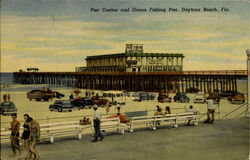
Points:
x=248, y=81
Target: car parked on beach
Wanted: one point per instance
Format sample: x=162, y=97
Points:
x=200, y=97
x=181, y=97
x=82, y=102
x=126, y=93
x=164, y=97
x=7, y=108
x=61, y=105
x=99, y=100
x=39, y=95
x=237, y=98
x=139, y=96
x=227, y=94
x=115, y=97
x=192, y=90
x=59, y=95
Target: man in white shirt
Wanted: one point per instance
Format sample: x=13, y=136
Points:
x=97, y=122
x=210, y=110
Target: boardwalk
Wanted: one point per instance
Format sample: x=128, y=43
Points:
x=224, y=140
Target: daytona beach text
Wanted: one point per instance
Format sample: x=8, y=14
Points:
x=163, y=10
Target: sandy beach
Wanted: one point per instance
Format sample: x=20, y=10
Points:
x=40, y=111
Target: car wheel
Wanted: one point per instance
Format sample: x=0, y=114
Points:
x=59, y=109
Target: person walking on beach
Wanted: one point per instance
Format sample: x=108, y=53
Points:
x=86, y=93
x=210, y=110
x=34, y=137
x=14, y=137
x=26, y=134
x=108, y=105
x=97, y=123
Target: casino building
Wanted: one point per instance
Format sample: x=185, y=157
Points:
x=133, y=60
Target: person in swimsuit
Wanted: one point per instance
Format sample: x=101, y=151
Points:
x=26, y=133
x=14, y=137
x=34, y=137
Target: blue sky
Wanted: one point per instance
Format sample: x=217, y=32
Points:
x=57, y=35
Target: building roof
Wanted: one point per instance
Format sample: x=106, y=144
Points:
x=119, y=55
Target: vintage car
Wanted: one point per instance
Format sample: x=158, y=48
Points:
x=115, y=97
x=200, y=97
x=237, y=98
x=215, y=96
x=139, y=96
x=99, y=100
x=164, y=97
x=227, y=94
x=81, y=103
x=126, y=93
x=181, y=97
x=39, y=95
x=7, y=108
x=192, y=90
x=61, y=105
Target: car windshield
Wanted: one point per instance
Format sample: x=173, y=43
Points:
x=35, y=91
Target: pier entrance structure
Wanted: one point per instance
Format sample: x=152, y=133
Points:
x=205, y=81
x=133, y=60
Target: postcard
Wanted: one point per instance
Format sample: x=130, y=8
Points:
x=143, y=80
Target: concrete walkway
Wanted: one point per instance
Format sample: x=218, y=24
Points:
x=223, y=140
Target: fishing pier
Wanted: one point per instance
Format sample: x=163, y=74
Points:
x=178, y=81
